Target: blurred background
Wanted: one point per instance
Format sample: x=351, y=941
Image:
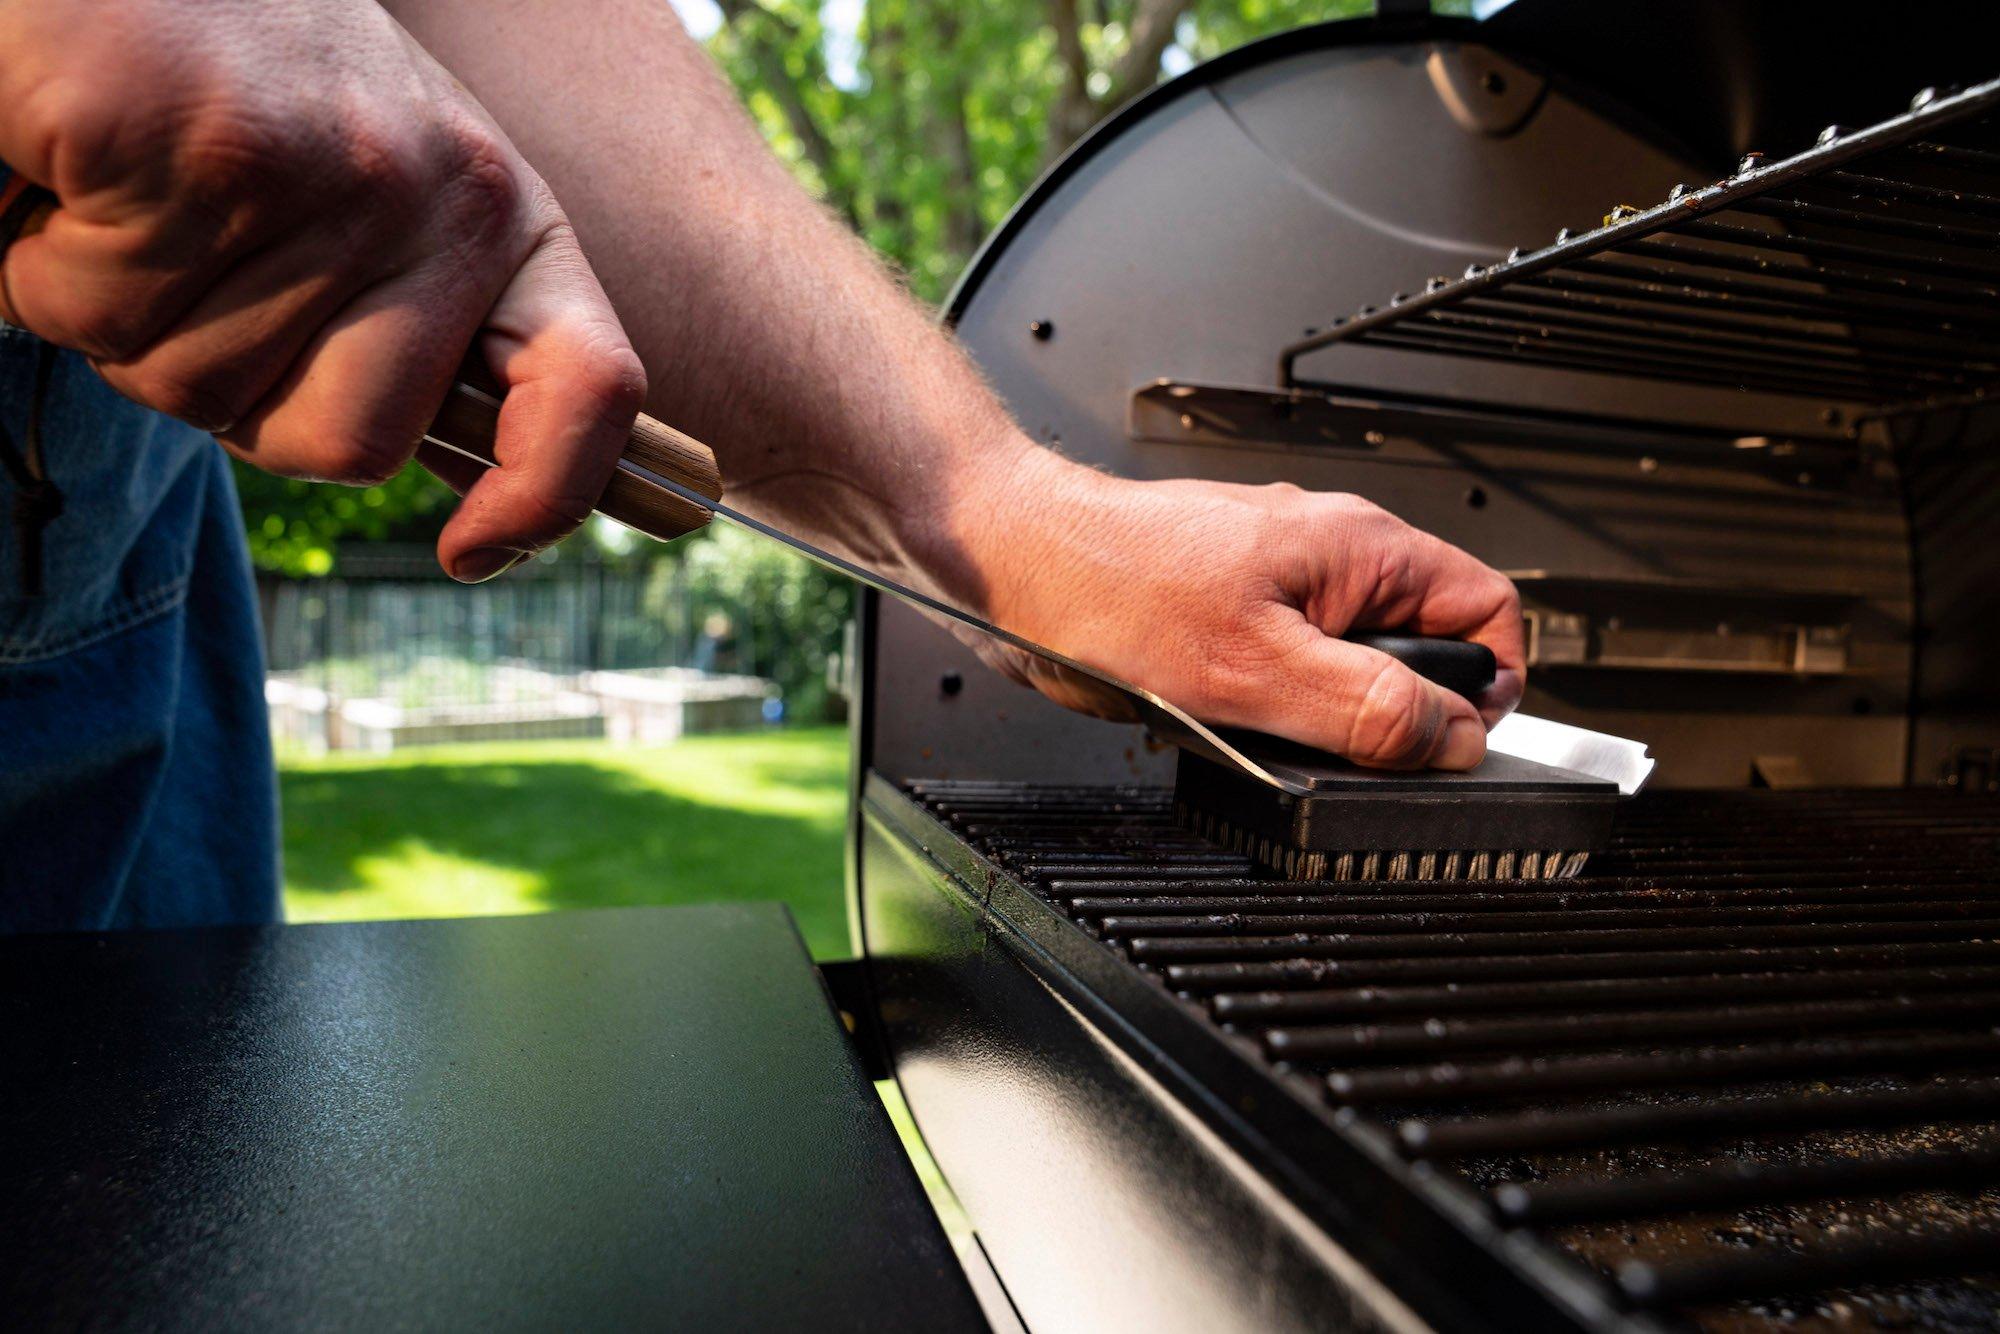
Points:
x=614, y=722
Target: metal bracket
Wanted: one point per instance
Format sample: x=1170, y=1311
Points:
x=1176, y=413
x=1324, y=416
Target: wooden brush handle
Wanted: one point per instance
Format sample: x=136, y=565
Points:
x=471, y=415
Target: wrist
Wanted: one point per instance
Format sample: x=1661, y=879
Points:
x=1014, y=527
x=988, y=520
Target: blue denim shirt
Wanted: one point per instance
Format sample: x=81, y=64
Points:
x=136, y=783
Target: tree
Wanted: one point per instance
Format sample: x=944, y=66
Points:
x=942, y=113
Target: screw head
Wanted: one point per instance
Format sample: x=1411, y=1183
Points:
x=1042, y=330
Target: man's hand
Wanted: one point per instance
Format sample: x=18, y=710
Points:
x=1230, y=601
x=287, y=224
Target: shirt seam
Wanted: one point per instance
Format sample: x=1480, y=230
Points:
x=153, y=603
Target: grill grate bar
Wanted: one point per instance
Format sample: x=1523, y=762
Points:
x=1445, y=1038
x=1697, y=1121
x=1173, y=898
x=1581, y=918
x=1529, y=1076
x=1283, y=1007
x=1736, y=1185
x=1296, y=972
x=1172, y=949
x=1839, y=1261
x=1721, y=887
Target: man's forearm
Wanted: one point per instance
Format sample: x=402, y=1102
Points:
x=838, y=409
x=832, y=402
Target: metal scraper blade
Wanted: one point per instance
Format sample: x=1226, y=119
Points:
x=1578, y=749
x=1166, y=720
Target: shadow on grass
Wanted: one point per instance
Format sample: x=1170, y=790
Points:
x=573, y=835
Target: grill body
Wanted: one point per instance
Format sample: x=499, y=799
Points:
x=1142, y=1141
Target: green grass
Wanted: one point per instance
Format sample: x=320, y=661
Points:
x=535, y=826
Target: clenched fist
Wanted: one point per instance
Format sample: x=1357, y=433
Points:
x=287, y=225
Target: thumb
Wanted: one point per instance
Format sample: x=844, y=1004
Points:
x=1365, y=705
x=572, y=387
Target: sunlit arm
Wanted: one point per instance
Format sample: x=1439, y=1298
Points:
x=838, y=409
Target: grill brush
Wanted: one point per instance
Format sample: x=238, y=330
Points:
x=1509, y=818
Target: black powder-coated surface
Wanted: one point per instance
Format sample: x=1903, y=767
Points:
x=622, y=1118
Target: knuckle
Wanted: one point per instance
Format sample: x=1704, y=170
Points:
x=382, y=168
x=551, y=518
x=1218, y=681
x=611, y=376
x=232, y=150
x=484, y=184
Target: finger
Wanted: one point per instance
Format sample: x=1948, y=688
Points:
x=1360, y=703
x=24, y=210
x=573, y=387
x=108, y=287
x=226, y=353
x=1430, y=587
x=354, y=403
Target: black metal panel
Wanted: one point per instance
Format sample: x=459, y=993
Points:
x=611, y=1119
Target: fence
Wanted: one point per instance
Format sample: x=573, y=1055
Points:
x=388, y=652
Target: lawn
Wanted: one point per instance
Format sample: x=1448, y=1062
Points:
x=535, y=826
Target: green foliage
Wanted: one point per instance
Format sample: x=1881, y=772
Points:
x=786, y=613
x=953, y=109
x=294, y=526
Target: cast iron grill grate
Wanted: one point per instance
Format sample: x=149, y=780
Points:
x=1862, y=270
x=1748, y=1067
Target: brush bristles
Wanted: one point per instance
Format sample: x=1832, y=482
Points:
x=1415, y=864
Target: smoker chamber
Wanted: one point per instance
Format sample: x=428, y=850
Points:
x=1733, y=442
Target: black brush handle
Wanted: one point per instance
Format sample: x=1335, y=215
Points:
x=1454, y=664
